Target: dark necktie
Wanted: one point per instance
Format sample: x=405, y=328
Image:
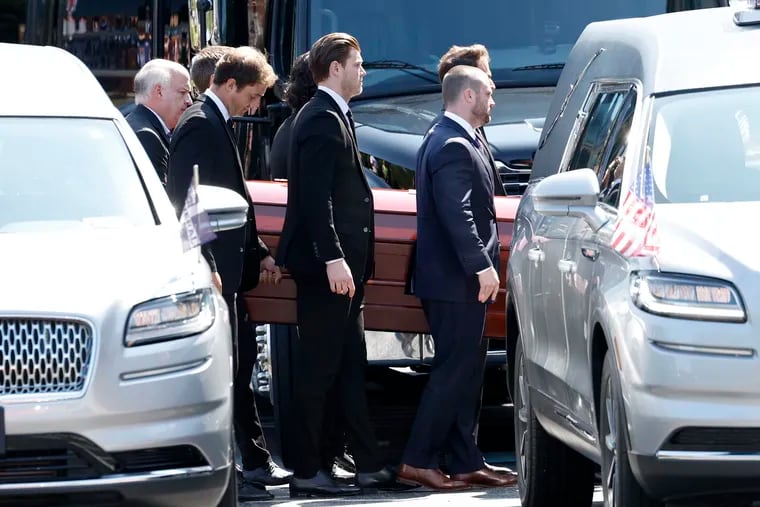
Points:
x=351, y=123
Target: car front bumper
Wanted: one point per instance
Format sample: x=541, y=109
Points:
x=692, y=416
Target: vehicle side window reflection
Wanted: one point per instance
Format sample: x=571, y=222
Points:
x=602, y=116
x=610, y=171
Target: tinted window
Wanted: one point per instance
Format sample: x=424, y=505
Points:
x=82, y=174
x=601, y=117
x=518, y=34
x=706, y=146
x=610, y=171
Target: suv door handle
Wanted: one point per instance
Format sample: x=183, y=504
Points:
x=535, y=254
x=567, y=266
x=590, y=253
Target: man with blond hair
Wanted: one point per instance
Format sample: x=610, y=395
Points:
x=238, y=258
x=162, y=93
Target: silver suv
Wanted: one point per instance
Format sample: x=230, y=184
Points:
x=632, y=278
x=115, y=350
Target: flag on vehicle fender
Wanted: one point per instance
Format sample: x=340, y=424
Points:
x=635, y=233
x=195, y=227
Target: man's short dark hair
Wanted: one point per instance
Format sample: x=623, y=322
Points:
x=203, y=64
x=246, y=65
x=301, y=86
x=462, y=55
x=333, y=47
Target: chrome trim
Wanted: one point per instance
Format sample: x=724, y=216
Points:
x=706, y=350
x=166, y=370
x=708, y=456
x=109, y=480
x=39, y=393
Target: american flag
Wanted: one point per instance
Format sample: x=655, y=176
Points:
x=195, y=227
x=635, y=233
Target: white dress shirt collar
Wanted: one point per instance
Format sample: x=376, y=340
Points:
x=342, y=104
x=462, y=122
x=219, y=103
x=161, y=120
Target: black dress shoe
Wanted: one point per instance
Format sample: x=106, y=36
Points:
x=268, y=475
x=383, y=480
x=250, y=492
x=320, y=485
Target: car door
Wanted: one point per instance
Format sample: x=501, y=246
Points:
x=561, y=299
x=582, y=250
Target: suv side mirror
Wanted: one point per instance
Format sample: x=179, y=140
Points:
x=226, y=208
x=573, y=193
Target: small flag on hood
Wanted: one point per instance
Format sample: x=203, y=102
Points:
x=635, y=233
x=195, y=227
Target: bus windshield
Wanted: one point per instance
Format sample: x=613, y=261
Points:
x=528, y=41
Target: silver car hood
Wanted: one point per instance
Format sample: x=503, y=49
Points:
x=85, y=271
x=710, y=239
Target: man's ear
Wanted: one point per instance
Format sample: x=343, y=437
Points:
x=335, y=67
x=231, y=85
x=158, y=90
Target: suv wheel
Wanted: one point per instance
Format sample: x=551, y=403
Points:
x=549, y=472
x=621, y=489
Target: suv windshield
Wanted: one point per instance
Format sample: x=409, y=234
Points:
x=705, y=147
x=528, y=41
x=81, y=175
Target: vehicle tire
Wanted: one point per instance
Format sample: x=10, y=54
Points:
x=621, y=489
x=549, y=472
x=281, y=349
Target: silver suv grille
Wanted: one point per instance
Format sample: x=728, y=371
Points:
x=44, y=356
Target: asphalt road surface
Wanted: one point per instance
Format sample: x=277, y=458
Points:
x=486, y=497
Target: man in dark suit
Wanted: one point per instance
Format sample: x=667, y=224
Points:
x=327, y=245
x=475, y=55
x=238, y=258
x=455, y=278
x=162, y=93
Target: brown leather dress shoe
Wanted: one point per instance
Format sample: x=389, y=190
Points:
x=487, y=478
x=429, y=478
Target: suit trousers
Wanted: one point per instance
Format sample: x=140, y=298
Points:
x=445, y=418
x=248, y=431
x=330, y=361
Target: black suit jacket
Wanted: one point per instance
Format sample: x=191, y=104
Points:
x=456, y=216
x=278, y=155
x=330, y=211
x=152, y=136
x=203, y=137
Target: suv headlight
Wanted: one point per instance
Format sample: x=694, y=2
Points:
x=170, y=317
x=687, y=297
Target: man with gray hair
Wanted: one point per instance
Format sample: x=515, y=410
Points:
x=456, y=277
x=162, y=93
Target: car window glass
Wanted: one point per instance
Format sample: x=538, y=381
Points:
x=610, y=171
x=602, y=115
x=83, y=177
x=705, y=146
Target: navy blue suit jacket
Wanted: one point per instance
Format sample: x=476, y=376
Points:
x=151, y=134
x=456, y=217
